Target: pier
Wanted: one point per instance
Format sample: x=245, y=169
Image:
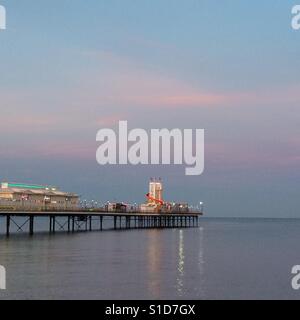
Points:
x=78, y=221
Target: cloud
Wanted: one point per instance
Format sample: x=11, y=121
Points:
x=119, y=81
x=116, y=88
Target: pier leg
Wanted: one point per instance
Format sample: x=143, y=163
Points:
x=101, y=223
x=73, y=224
x=69, y=223
x=115, y=223
x=7, y=225
x=90, y=218
x=50, y=224
x=53, y=224
x=31, y=223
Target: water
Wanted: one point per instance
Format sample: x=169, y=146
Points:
x=222, y=259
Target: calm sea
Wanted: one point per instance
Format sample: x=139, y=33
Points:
x=222, y=259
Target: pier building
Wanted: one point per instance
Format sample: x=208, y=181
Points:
x=19, y=196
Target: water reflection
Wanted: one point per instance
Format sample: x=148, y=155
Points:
x=201, y=265
x=172, y=260
x=180, y=266
x=154, y=254
x=190, y=260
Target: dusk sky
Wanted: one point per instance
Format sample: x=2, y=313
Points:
x=71, y=67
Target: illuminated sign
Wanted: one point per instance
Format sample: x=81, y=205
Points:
x=26, y=186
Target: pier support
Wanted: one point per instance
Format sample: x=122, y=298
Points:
x=90, y=219
x=31, y=224
x=50, y=224
x=80, y=221
x=69, y=223
x=115, y=223
x=53, y=224
x=101, y=223
x=7, y=225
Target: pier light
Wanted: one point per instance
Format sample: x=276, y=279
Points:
x=201, y=206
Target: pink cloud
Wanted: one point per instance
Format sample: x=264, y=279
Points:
x=71, y=150
x=266, y=155
x=109, y=121
x=122, y=82
x=27, y=123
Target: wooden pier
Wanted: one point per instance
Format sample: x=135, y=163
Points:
x=76, y=221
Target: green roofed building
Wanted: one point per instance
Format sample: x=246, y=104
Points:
x=20, y=196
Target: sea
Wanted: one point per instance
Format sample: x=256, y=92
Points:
x=223, y=258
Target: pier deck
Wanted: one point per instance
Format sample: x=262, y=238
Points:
x=74, y=221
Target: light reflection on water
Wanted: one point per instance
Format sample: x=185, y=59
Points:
x=223, y=259
x=201, y=265
x=154, y=252
x=180, y=268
